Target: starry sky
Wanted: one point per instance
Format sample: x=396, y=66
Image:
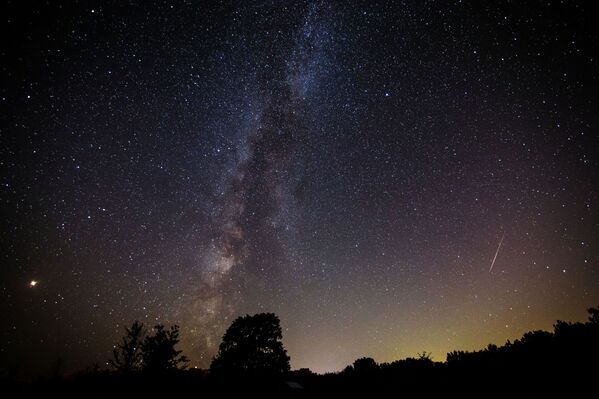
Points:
x=387, y=177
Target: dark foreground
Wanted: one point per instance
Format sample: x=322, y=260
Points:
x=563, y=363
x=437, y=381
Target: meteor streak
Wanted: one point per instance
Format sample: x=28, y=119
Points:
x=497, y=252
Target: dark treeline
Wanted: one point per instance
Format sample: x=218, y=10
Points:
x=252, y=362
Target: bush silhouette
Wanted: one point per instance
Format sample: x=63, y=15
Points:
x=252, y=345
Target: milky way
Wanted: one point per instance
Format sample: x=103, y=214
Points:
x=350, y=166
x=253, y=220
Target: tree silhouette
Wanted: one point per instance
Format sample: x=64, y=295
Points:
x=561, y=363
x=365, y=365
x=252, y=344
x=158, y=351
x=127, y=354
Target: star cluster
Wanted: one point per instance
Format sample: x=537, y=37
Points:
x=350, y=166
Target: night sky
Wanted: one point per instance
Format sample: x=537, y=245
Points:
x=387, y=177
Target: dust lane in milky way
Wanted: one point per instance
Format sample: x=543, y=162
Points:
x=253, y=221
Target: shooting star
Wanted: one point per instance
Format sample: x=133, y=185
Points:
x=497, y=252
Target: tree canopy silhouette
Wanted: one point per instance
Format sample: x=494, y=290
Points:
x=365, y=365
x=158, y=351
x=127, y=354
x=252, y=344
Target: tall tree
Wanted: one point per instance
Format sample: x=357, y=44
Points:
x=127, y=354
x=159, y=353
x=252, y=344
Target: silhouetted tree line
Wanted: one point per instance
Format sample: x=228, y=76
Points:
x=562, y=363
x=251, y=361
